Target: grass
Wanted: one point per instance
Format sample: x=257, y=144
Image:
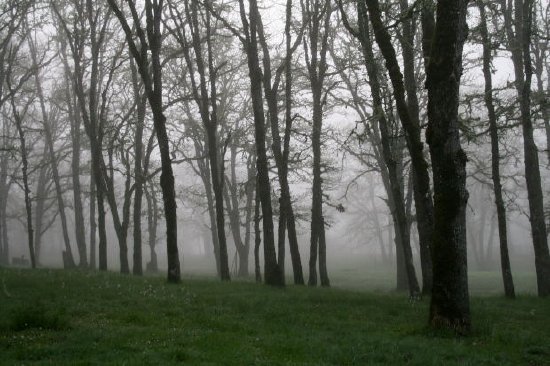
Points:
x=58, y=317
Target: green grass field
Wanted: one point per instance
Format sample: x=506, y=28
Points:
x=69, y=318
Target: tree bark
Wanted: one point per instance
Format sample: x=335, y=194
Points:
x=450, y=305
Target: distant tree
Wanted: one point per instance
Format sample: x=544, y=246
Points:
x=392, y=172
x=495, y=154
x=47, y=124
x=518, y=23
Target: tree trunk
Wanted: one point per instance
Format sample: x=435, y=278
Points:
x=495, y=156
x=450, y=305
x=26, y=189
x=68, y=259
x=409, y=117
x=138, y=170
x=257, y=236
x=272, y=272
x=152, y=221
x=152, y=79
x=39, y=212
x=519, y=45
x=93, y=223
x=395, y=193
x=80, y=232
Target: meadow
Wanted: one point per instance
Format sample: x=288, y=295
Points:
x=59, y=317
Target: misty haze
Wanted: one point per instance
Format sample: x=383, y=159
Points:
x=246, y=182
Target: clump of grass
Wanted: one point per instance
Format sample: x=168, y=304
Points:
x=37, y=316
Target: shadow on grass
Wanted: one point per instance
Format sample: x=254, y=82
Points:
x=37, y=316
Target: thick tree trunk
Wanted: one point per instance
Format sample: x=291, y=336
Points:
x=495, y=156
x=450, y=305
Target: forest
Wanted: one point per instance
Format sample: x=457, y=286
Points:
x=223, y=144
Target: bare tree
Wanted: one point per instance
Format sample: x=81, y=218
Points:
x=495, y=154
x=518, y=32
x=145, y=46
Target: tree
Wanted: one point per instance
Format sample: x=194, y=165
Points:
x=495, y=155
x=145, y=48
x=518, y=32
x=408, y=110
x=450, y=305
x=317, y=15
x=47, y=122
x=206, y=101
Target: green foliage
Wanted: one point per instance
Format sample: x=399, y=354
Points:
x=115, y=319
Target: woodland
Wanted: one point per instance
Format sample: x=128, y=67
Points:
x=226, y=144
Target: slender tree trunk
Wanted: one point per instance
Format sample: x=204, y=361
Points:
x=75, y=123
x=394, y=189
x=519, y=44
x=68, y=259
x=450, y=305
x=495, y=156
x=272, y=272
x=409, y=116
x=152, y=222
x=138, y=170
x=257, y=236
x=4, y=190
x=152, y=79
x=40, y=198
x=93, y=223
x=26, y=189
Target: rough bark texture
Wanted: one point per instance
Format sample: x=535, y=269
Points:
x=450, y=305
x=495, y=155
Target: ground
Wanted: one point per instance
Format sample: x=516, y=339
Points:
x=80, y=317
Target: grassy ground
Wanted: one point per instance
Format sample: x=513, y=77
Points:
x=56, y=317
